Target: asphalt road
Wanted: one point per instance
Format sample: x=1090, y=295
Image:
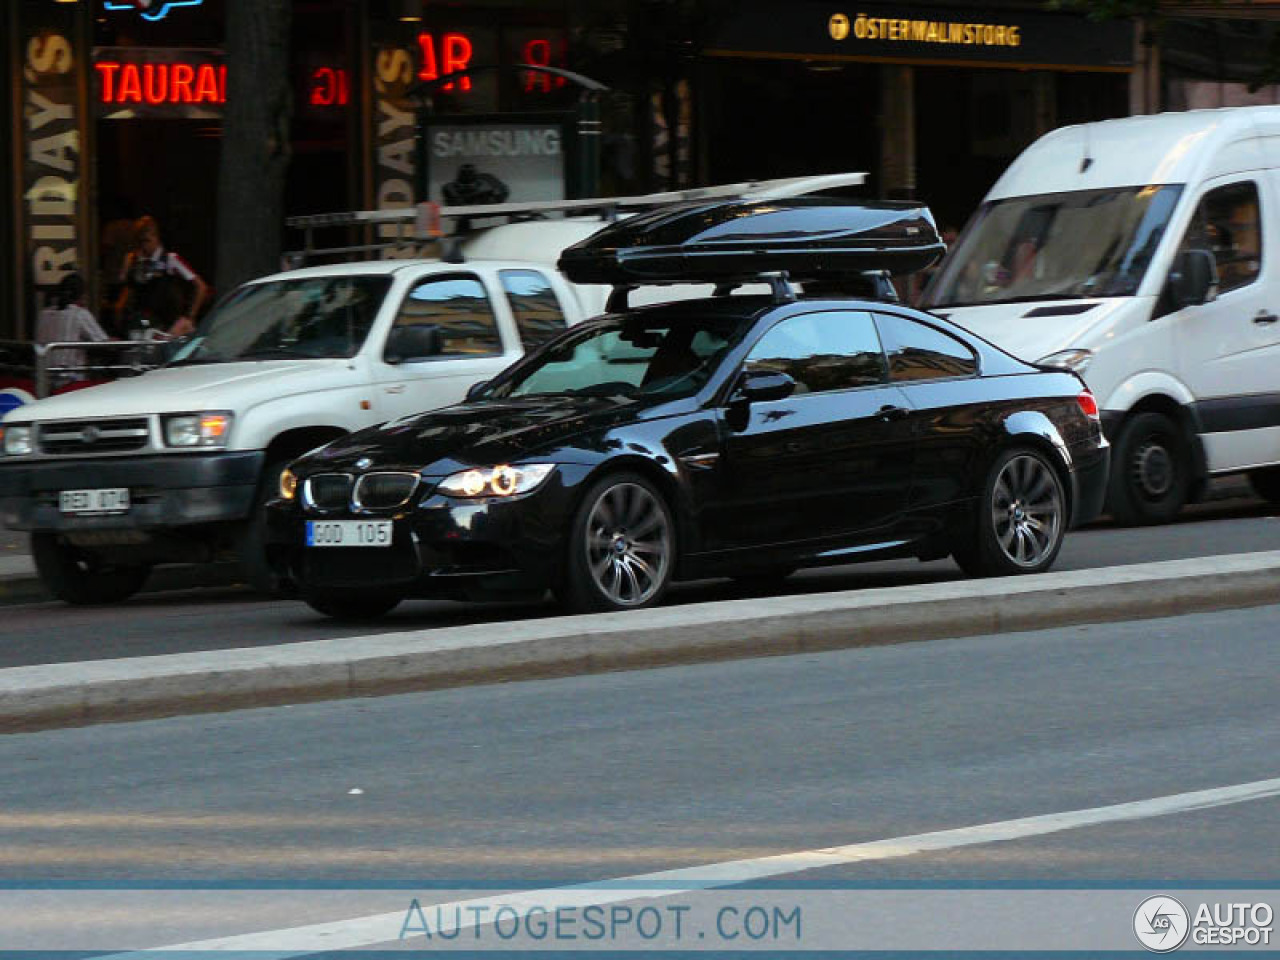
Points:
x=225, y=618
x=596, y=777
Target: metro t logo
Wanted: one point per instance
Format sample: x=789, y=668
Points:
x=150, y=9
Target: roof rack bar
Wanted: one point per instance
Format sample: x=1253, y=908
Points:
x=783, y=291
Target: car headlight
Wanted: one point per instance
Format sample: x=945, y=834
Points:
x=1074, y=360
x=18, y=441
x=288, y=484
x=197, y=430
x=500, y=481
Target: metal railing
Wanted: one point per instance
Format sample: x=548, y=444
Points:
x=41, y=366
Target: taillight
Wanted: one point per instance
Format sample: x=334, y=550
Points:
x=1088, y=405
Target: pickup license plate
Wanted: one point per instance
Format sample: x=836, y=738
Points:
x=110, y=500
x=348, y=533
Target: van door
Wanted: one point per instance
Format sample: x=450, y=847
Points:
x=1229, y=349
x=470, y=345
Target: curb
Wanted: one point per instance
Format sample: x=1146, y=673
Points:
x=76, y=694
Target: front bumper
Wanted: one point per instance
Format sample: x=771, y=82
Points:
x=164, y=491
x=440, y=547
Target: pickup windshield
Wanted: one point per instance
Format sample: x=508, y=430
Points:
x=288, y=319
x=1061, y=246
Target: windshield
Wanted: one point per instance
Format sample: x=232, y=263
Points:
x=1060, y=246
x=289, y=319
x=628, y=357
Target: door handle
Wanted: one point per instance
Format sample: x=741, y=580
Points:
x=890, y=412
x=1264, y=316
x=398, y=388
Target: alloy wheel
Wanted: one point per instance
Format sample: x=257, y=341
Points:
x=628, y=544
x=1027, y=510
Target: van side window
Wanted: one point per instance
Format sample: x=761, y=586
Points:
x=822, y=351
x=1228, y=224
x=919, y=352
x=459, y=306
x=539, y=316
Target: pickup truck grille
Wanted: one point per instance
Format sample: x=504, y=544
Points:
x=94, y=436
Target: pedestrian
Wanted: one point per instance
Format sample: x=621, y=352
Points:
x=162, y=295
x=68, y=321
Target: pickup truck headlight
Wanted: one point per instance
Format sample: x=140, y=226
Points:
x=500, y=481
x=197, y=430
x=1075, y=360
x=18, y=441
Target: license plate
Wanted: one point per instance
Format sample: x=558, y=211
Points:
x=111, y=500
x=348, y=533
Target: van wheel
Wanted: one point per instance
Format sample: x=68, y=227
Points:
x=353, y=604
x=1150, y=471
x=1266, y=483
x=622, y=547
x=80, y=577
x=1021, y=518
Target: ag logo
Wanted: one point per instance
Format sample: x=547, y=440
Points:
x=1161, y=924
x=839, y=26
x=150, y=9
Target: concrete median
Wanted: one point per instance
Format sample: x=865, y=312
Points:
x=70, y=694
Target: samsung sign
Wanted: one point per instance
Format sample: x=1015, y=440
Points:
x=496, y=162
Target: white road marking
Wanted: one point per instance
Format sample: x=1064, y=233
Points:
x=382, y=928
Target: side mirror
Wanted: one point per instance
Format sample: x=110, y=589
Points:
x=757, y=386
x=1193, y=279
x=477, y=388
x=417, y=341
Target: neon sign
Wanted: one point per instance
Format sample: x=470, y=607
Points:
x=161, y=83
x=537, y=53
x=454, y=54
x=330, y=87
x=151, y=9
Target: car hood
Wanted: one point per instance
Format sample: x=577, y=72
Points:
x=1050, y=327
x=485, y=433
x=213, y=386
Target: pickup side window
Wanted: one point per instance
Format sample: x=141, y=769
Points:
x=919, y=352
x=822, y=351
x=1228, y=224
x=459, y=307
x=539, y=316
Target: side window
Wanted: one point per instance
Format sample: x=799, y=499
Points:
x=1228, y=224
x=459, y=308
x=822, y=351
x=919, y=352
x=538, y=314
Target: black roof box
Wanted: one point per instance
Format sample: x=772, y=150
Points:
x=810, y=238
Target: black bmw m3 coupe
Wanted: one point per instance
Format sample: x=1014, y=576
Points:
x=738, y=436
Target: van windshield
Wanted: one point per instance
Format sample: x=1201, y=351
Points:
x=1059, y=246
x=287, y=320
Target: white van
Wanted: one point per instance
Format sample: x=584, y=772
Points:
x=1143, y=253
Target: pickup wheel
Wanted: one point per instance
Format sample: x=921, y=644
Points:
x=253, y=538
x=1150, y=471
x=81, y=577
x=353, y=604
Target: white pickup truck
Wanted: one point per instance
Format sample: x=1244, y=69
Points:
x=171, y=466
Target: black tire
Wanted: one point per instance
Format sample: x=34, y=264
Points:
x=348, y=604
x=81, y=577
x=1266, y=483
x=1150, y=471
x=1020, y=519
x=252, y=546
x=639, y=549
